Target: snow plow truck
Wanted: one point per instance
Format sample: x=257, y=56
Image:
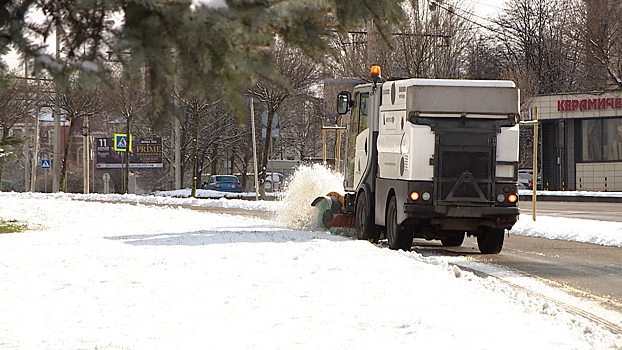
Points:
x=428, y=158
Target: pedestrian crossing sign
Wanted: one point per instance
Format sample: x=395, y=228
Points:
x=121, y=143
x=45, y=163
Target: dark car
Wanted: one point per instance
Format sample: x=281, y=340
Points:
x=224, y=183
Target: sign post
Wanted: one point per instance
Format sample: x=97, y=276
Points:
x=106, y=178
x=45, y=164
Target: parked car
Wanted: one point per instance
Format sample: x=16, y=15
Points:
x=274, y=181
x=525, y=178
x=224, y=183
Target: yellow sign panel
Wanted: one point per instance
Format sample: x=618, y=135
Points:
x=122, y=143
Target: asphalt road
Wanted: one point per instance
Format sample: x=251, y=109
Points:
x=587, y=270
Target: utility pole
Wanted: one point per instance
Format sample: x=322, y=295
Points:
x=35, y=148
x=252, y=120
x=27, y=156
x=56, y=136
x=128, y=152
x=177, y=134
x=27, y=166
x=86, y=150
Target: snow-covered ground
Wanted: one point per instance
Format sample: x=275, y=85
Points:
x=93, y=275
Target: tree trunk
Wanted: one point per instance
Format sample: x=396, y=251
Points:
x=195, y=155
x=266, y=153
x=1, y=171
x=128, y=153
x=64, y=161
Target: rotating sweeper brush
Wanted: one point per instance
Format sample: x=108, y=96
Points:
x=330, y=211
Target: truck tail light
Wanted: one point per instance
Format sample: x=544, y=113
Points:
x=512, y=198
x=414, y=196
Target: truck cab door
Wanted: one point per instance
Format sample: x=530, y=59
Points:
x=358, y=142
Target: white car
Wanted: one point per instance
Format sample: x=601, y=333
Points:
x=525, y=177
x=274, y=181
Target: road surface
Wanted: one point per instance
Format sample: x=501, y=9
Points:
x=579, y=210
x=586, y=270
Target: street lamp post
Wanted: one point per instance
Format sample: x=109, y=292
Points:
x=86, y=150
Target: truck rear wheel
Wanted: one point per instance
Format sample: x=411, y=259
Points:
x=453, y=239
x=364, y=223
x=490, y=240
x=396, y=235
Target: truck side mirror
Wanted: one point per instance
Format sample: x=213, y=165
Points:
x=343, y=102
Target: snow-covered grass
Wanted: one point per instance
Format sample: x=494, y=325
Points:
x=119, y=276
x=98, y=275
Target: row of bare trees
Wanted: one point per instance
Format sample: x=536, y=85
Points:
x=212, y=140
x=545, y=46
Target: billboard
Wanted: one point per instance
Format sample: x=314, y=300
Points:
x=146, y=154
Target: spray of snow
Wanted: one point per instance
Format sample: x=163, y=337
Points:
x=306, y=184
x=213, y=4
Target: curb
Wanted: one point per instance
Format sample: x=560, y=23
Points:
x=554, y=198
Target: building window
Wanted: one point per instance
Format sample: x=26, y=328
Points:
x=613, y=138
x=601, y=140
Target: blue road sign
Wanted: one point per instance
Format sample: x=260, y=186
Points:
x=122, y=143
x=45, y=163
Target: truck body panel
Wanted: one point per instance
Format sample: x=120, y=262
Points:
x=435, y=159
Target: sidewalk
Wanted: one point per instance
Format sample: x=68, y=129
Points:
x=571, y=196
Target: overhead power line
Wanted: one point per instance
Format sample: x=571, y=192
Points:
x=452, y=10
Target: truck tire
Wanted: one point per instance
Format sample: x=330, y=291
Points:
x=490, y=240
x=453, y=239
x=397, y=236
x=364, y=224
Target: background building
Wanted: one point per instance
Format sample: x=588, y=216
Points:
x=581, y=141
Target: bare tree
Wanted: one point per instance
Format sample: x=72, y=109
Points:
x=300, y=74
x=432, y=43
x=484, y=60
x=75, y=104
x=603, y=38
x=301, y=122
x=538, y=40
x=16, y=104
x=126, y=98
x=207, y=132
